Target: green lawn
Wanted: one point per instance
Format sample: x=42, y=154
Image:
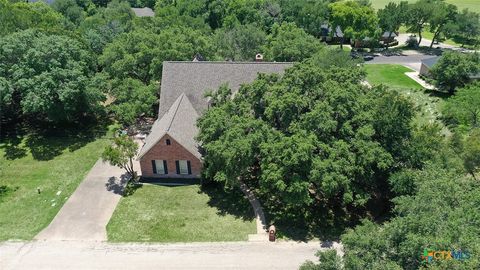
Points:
x=52, y=162
x=391, y=75
x=428, y=102
x=181, y=214
x=472, y=5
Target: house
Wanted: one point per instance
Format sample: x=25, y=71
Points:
x=427, y=64
x=388, y=37
x=170, y=150
x=327, y=36
x=143, y=12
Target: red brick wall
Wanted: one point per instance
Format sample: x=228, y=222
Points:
x=170, y=153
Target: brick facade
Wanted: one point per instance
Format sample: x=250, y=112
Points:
x=170, y=153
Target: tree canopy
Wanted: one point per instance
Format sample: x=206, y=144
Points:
x=288, y=43
x=454, y=69
x=47, y=76
x=311, y=140
x=442, y=215
x=356, y=21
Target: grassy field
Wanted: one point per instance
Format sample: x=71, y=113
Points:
x=181, y=214
x=391, y=75
x=473, y=5
x=427, y=102
x=55, y=163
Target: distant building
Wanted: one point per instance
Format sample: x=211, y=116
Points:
x=387, y=38
x=143, y=12
x=327, y=35
x=427, y=64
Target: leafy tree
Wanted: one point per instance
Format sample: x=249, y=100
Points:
x=465, y=29
x=48, y=76
x=444, y=202
x=454, y=69
x=306, y=142
x=132, y=99
x=464, y=107
x=441, y=15
x=239, y=43
x=329, y=260
x=307, y=14
x=121, y=153
x=21, y=16
x=471, y=156
x=356, y=21
x=105, y=25
x=70, y=9
x=139, y=54
x=288, y=43
x=419, y=14
x=392, y=17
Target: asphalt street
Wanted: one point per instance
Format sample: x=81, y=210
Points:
x=91, y=255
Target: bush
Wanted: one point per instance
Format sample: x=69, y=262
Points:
x=412, y=42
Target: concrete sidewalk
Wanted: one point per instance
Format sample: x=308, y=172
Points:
x=88, y=210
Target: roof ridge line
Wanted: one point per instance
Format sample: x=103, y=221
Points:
x=175, y=113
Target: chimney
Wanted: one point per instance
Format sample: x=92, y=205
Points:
x=258, y=57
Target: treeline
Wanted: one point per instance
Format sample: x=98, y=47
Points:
x=108, y=60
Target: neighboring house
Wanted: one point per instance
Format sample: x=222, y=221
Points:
x=327, y=35
x=170, y=150
x=427, y=64
x=387, y=37
x=143, y=12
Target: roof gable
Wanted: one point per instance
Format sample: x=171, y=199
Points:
x=179, y=122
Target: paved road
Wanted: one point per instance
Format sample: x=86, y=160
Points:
x=409, y=59
x=87, y=212
x=53, y=255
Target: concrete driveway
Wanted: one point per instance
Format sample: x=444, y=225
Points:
x=100, y=255
x=87, y=212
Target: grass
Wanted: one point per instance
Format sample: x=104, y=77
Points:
x=391, y=75
x=472, y=5
x=427, y=102
x=55, y=163
x=181, y=214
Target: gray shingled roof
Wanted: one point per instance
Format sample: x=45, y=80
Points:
x=429, y=62
x=179, y=123
x=143, y=12
x=195, y=78
x=386, y=34
x=182, y=96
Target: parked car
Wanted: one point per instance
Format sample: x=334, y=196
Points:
x=368, y=57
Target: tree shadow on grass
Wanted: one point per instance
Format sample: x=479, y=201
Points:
x=231, y=202
x=46, y=142
x=437, y=93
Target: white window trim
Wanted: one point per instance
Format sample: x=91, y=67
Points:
x=159, y=166
x=185, y=163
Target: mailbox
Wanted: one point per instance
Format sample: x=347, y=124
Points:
x=271, y=233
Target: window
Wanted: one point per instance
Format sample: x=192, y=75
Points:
x=183, y=167
x=167, y=141
x=159, y=166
